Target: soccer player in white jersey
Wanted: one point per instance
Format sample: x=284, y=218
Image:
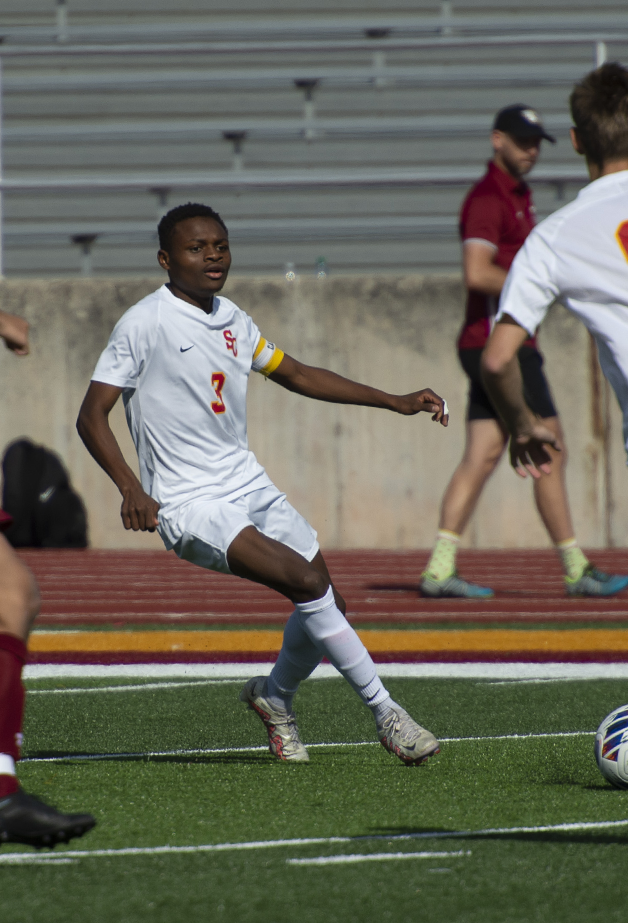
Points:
x=578, y=256
x=181, y=359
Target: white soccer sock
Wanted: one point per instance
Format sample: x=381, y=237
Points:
x=335, y=638
x=380, y=711
x=7, y=765
x=298, y=657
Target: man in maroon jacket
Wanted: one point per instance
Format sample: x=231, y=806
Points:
x=496, y=217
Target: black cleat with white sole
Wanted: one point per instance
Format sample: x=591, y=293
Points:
x=26, y=819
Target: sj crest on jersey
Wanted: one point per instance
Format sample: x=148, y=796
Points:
x=231, y=341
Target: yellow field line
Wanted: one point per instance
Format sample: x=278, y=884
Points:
x=376, y=641
x=192, y=641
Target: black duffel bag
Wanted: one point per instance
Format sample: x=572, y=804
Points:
x=36, y=492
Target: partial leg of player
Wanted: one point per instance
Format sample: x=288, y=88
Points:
x=485, y=444
x=582, y=578
x=23, y=818
x=318, y=628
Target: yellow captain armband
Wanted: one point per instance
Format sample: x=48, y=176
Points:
x=266, y=357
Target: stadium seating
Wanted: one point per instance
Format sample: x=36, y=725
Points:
x=344, y=134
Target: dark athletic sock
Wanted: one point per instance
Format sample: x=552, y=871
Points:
x=12, y=659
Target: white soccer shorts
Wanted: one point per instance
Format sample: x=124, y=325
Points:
x=209, y=527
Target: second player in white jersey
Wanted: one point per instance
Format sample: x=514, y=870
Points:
x=181, y=360
x=579, y=256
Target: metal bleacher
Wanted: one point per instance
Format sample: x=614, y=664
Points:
x=344, y=133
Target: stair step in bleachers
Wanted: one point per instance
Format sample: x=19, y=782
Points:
x=346, y=133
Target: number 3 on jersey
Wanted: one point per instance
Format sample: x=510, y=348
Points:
x=218, y=383
x=621, y=235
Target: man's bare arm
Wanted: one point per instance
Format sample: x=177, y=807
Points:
x=139, y=511
x=501, y=375
x=323, y=385
x=14, y=332
x=481, y=274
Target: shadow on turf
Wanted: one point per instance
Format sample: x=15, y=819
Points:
x=550, y=836
x=599, y=787
x=414, y=588
x=78, y=756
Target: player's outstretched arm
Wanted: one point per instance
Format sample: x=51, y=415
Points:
x=139, y=511
x=501, y=374
x=14, y=332
x=323, y=385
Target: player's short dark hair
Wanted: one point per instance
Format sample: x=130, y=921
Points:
x=599, y=108
x=171, y=219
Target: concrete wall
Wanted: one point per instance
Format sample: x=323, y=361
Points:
x=363, y=477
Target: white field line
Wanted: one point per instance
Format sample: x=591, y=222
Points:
x=218, y=751
x=135, y=687
x=523, y=682
x=318, y=841
x=25, y=858
x=574, y=671
x=377, y=857
x=173, y=684
x=156, y=753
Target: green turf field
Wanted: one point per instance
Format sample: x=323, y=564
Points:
x=433, y=815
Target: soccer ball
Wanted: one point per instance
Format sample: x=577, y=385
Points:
x=611, y=747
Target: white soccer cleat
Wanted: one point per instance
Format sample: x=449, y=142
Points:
x=283, y=734
x=401, y=735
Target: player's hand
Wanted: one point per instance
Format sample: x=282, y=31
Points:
x=139, y=511
x=426, y=401
x=528, y=452
x=14, y=332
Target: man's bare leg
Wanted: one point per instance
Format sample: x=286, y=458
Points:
x=19, y=596
x=485, y=444
x=550, y=494
x=256, y=557
x=486, y=441
x=316, y=628
x=550, y=491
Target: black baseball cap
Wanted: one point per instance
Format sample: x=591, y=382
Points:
x=521, y=122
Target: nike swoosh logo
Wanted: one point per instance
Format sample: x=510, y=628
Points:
x=186, y=348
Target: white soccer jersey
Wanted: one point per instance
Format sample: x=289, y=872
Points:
x=184, y=376
x=579, y=256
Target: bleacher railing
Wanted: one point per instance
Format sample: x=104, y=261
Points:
x=377, y=35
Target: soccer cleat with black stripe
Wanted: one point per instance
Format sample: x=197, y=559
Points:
x=401, y=735
x=283, y=734
x=25, y=819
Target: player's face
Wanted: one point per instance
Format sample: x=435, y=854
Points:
x=515, y=155
x=198, y=260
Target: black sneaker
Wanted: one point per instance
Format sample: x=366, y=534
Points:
x=26, y=819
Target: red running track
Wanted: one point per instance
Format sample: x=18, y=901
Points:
x=117, y=587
